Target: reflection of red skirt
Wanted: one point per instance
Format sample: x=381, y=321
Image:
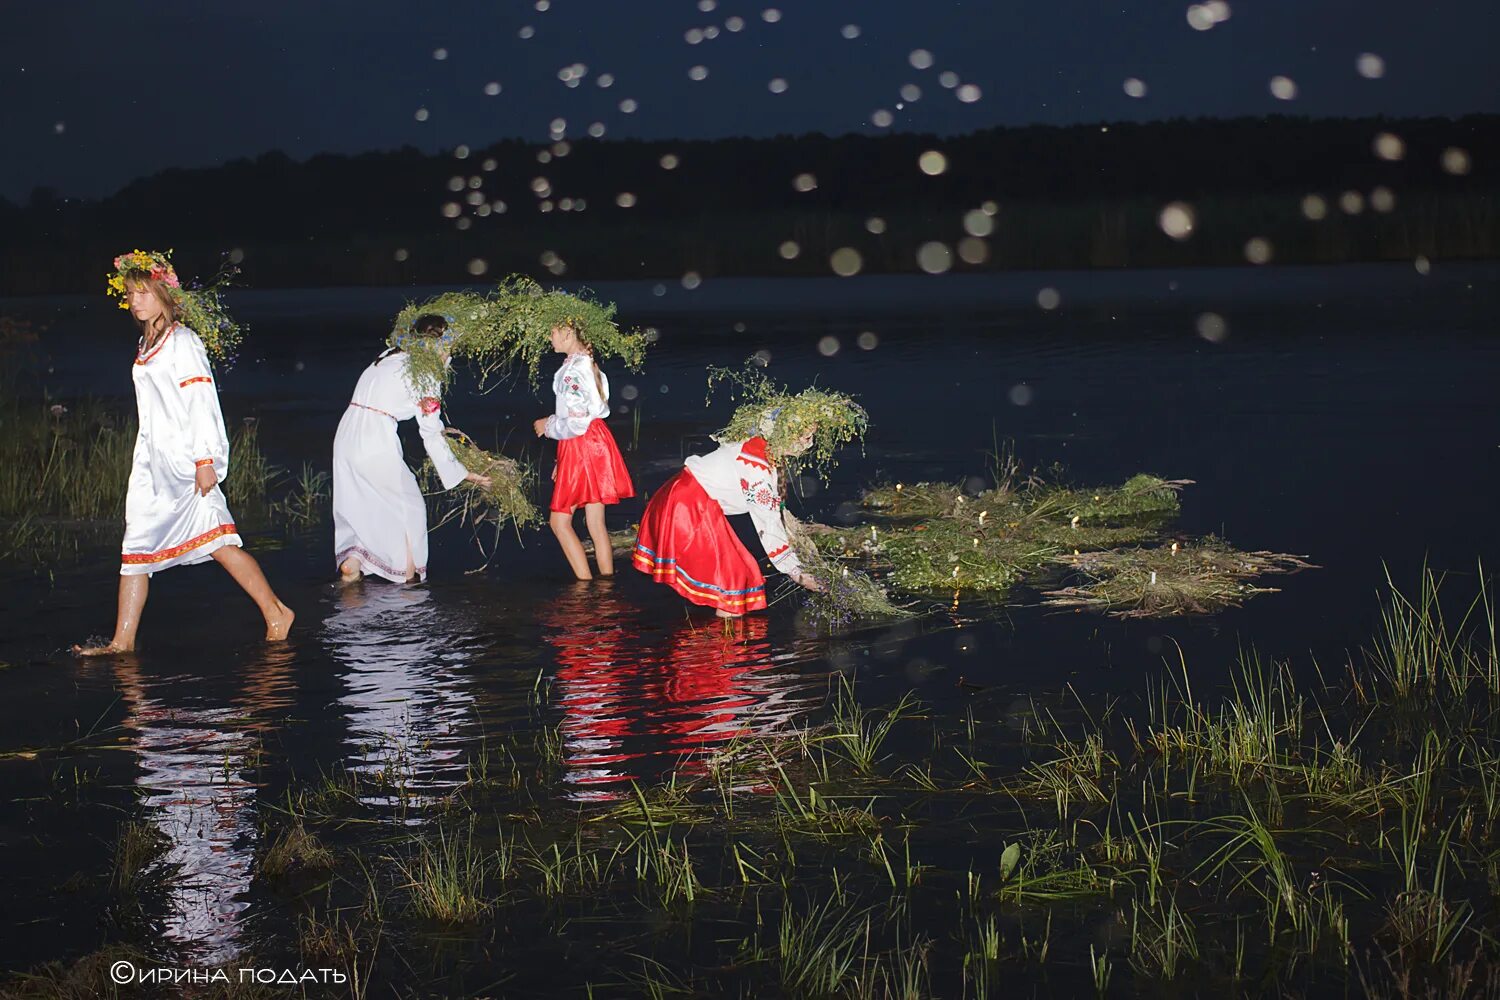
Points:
x=686, y=542
x=590, y=470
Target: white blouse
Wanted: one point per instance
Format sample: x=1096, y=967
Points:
x=579, y=399
x=741, y=479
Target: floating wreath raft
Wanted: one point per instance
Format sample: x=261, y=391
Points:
x=933, y=538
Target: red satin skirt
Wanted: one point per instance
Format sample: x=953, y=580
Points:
x=589, y=470
x=685, y=542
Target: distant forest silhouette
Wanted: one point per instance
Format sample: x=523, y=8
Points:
x=1078, y=196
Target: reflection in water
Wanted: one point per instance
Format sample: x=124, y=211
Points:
x=630, y=703
x=406, y=696
x=193, y=762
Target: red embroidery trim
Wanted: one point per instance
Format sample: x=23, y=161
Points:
x=196, y=378
x=155, y=350
x=430, y=405
x=203, y=461
x=137, y=558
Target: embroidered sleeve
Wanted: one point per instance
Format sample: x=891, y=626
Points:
x=209, y=442
x=574, y=411
x=765, y=506
x=429, y=405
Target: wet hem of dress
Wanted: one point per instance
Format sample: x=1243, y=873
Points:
x=372, y=566
x=201, y=553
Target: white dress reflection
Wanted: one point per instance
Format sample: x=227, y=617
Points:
x=637, y=709
x=194, y=760
x=407, y=698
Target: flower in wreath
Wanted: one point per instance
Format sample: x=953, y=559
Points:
x=153, y=264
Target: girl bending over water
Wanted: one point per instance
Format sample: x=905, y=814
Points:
x=379, y=516
x=685, y=539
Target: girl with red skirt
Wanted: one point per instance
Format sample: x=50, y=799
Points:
x=685, y=540
x=590, y=472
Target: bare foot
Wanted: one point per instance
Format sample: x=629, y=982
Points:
x=114, y=648
x=727, y=614
x=280, y=623
x=350, y=570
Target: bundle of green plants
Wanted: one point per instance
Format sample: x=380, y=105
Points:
x=801, y=430
x=1197, y=577
x=845, y=593
x=506, y=498
x=508, y=329
x=532, y=313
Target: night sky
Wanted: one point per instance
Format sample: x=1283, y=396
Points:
x=97, y=94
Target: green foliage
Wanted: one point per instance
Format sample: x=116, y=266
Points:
x=783, y=418
x=507, y=329
x=507, y=497
x=847, y=594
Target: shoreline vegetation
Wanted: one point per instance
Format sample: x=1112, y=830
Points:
x=1314, y=828
x=1084, y=196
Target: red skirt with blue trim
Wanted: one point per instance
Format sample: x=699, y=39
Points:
x=589, y=470
x=685, y=542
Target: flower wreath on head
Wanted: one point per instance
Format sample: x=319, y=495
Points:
x=783, y=418
x=200, y=309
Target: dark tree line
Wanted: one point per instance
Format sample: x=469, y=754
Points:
x=1083, y=195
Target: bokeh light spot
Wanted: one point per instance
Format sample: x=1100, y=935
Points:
x=846, y=262
x=1177, y=220
x=1212, y=328
x=932, y=163
x=934, y=257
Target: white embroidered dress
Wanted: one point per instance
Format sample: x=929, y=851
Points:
x=167, y=522
x=741, y=480
x=378, y=510
x=579, y=399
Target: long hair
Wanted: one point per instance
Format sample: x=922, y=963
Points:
x=588, y=349
x=143, y=279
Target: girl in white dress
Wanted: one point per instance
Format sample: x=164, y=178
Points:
x=379, y=516
x=175, y=512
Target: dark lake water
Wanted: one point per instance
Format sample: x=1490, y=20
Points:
x=1350, y=414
